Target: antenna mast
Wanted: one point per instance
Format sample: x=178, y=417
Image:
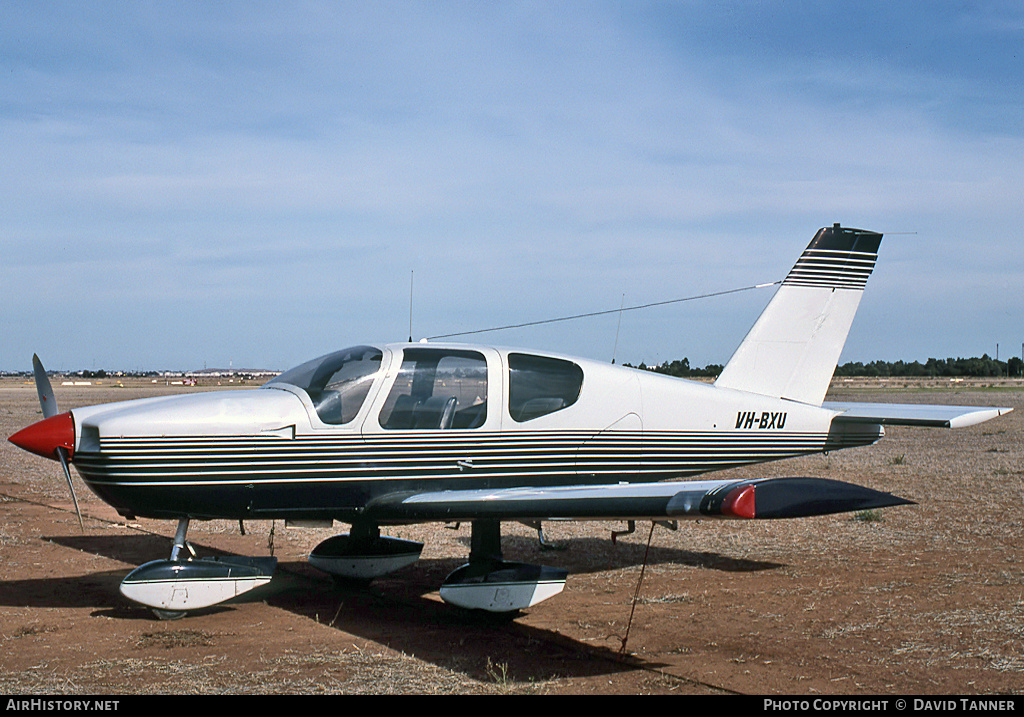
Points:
x=615, y=348
x=412, y=275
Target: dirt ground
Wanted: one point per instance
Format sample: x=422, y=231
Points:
x=924, y=599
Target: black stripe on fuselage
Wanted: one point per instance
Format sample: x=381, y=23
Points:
x=313, y=475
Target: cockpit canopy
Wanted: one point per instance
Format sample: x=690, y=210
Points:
x=434, y=387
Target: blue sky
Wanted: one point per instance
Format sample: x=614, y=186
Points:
x=190, y=184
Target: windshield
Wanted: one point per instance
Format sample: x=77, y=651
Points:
x=337, y=383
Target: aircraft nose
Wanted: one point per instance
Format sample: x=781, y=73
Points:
x=46, y=436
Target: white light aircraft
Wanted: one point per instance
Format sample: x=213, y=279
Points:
x=381, y=435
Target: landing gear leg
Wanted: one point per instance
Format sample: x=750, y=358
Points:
x=364, y=533
x=362, y=540
x=179, y=539
x=176, y=547
x=485, y=542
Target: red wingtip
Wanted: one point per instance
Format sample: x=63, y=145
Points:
x=46, y=436
x=740, y=503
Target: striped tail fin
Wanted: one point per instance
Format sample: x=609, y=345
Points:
x=793, y=348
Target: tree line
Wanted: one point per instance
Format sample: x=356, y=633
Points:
x=983, y=366
x=936, y=368
x=682, y=369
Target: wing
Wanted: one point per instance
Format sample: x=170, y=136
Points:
x=896, y=414
x=766, y=498
x=745, y=499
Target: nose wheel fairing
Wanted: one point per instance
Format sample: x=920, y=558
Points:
x=172, y=587
x=364, y=554
x=193, y=584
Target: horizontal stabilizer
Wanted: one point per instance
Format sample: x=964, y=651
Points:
x=747, y=499
x=897, y=414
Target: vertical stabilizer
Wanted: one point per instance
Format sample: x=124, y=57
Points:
x=792, y=350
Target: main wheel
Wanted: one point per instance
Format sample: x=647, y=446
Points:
x=168, y=614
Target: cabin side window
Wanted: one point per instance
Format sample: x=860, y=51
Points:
x=437, y=389
x=337, y=383
x=539, y=385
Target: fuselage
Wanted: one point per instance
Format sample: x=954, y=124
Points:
x=326, y=439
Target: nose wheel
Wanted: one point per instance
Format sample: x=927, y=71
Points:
x=168, y=614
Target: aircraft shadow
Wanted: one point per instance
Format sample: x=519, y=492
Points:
x=403, y=612
x=396, y=612
x=133, y=549
x=400, y=611
x=585, y=555
x=577, y=555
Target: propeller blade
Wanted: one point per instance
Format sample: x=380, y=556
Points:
x=47, y=401
x=62, y=454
